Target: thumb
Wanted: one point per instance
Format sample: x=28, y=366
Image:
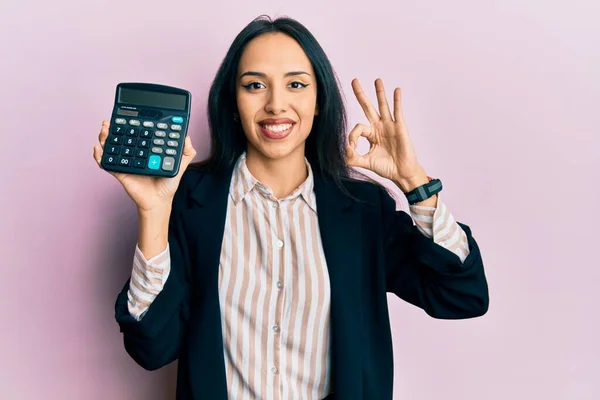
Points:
x=188, y=152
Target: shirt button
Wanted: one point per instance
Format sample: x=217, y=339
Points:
x=276, y=328
x=279, y=284
x=279, y=243
x=274, y=205
x=274, y=370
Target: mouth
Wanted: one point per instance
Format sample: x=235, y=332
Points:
x=276, y=129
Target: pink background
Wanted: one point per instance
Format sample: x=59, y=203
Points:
x=501, y=99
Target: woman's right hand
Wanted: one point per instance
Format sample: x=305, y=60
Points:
x=148, y=192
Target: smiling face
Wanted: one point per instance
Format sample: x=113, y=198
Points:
x=276, y=96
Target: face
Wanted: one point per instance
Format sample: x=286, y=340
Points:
x=276, y=96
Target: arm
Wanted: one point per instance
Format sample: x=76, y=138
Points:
x=148, y=278
x=436, y=222
x=153, y=336
x=428, y=275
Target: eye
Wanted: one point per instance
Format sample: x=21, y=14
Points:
x=254, y=86
x=298, y=85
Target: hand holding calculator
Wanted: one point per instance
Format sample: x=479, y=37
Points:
x=148, y=126
x=145, y=144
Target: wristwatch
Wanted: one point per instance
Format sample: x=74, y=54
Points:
x=424, y=192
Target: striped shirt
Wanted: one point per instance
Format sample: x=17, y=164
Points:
x=274, y=287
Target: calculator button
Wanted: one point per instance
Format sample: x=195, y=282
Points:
x=112, y=160
x=171, y=152
x=115, y=140
x=160, y=134
x=154, y=162
x=112, y=150
x=159, y=142
x=172, y=143
x=139, y=163
x=174, y=135
x=175, y=127
x=168, y=164
x=157, y=150
x=118, y=130
x=148, y=124
x=125, y=162
x=120, y=121
x=127, y=152
x=144, y=143
x=141, y=153
x=146, y=133
x=162, y=125
x=130, y=142
x=132, y=132
x=134, y=122
x=177, y=120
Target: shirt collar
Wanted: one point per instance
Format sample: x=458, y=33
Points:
x=243, y=182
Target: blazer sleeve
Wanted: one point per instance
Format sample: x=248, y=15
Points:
x=428, y=275
x=155, y=340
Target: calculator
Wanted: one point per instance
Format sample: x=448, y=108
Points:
x=148, y=126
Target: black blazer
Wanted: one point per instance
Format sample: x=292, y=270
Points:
x=370, y=249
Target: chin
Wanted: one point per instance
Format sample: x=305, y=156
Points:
x=277, y=151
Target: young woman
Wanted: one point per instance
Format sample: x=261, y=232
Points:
x=264, y=269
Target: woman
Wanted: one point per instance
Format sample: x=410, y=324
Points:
x=264, y=269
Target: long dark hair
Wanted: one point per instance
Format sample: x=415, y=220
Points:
x=325, y=145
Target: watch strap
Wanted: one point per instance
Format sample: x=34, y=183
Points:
x=424, y=192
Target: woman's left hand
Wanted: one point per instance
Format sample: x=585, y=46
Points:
x=391, y=154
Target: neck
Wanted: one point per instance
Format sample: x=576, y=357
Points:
x=282, y=175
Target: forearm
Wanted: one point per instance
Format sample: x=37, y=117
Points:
x=153, y=231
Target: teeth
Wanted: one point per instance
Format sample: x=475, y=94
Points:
x=278, y=128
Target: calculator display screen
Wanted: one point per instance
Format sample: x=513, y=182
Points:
x=152, y=99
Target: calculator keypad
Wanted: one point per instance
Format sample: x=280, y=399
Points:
x=143, y=144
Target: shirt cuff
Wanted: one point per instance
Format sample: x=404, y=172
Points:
x=437, y=223
x=147, y=280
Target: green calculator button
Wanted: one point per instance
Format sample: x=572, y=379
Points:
x=154, y=162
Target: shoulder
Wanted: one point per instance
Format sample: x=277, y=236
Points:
x=368, y=193
x=190, y=179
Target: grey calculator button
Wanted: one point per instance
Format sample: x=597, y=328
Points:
x=158, y=142
x=162, y=125
x=120, y=121
x=168, y=163
x=171, y=152
x=172, y=143
x=174, y=135
x=148, y=124
x=160, y=134
x=157, y=150
x=134, y=122
x=176, y=127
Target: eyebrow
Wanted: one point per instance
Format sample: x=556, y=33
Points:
x=263, y=75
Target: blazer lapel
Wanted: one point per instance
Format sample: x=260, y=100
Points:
x=340, y=226
x=205, y=224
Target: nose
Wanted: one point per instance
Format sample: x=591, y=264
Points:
x=276, y=101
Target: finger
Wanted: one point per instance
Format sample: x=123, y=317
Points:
x=98, y=154
x=106, y=123
x=384, y=108
x=369, y=110
x=353, y=159
x=103, y=135
x=358, y=131
x=398, y=114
